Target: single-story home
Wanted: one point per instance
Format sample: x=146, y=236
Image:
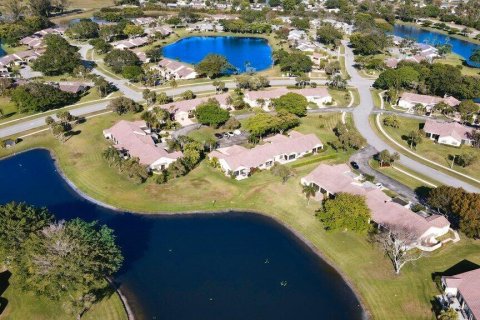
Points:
x=238, y=161
x=172, y=69
x=163, y=30
x=295, y=35
x=134, y=139
x=450, y=133
x=74, y=86
x=332, y=179
x=263, y=98
x=183, y=111
x=18, y=58
x=144, y=21
x=408, y=100
x=131, y=43
x=463, y=293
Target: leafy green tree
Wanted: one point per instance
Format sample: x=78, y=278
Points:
x=414, y=138
x=309, y=191
x=345, y=212
x=122, y=105
x=300, y=23
x=188, y=95
x=475, y=57
x=154, y=54
x=449, y=314
x=391, y=121
x=84, y=29
x=252, y=82
x=19, y=221
x=213, y=65
x=59, y=57
x=133, y=73
x=282, y=171
x=132, y=30
x=38, y=97
x=292, y=102
x=262, y=124
x=369, y=43
x=118, y=59
x=70, y=260
x=295, y=63
x=210, y=113
x=100, y=46
x=328, y=34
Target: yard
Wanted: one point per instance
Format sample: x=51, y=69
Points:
x=386, y=295
x=441, y=154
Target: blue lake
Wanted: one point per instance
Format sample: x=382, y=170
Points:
x=460, y=47
x=2, y=52
x=242, y=52
x=218, y=266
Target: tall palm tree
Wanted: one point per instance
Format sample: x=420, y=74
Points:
x=309, y=191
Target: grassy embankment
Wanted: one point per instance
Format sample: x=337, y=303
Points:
x=387, y=296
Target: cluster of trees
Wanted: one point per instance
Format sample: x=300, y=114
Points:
x=214, y=65
x=118, y=14
x=66, y=261
x=263, y=124
x=84, y=29
x=129, y=167
x=39, y=97
x=348, y=138
x=252, y=82
x=461, y=208
x=122, y=105
x=125, y=62
x=158, y=119
x=12, y=32
x=60, y=57
x=292, y=102
x=345, y=212
x=193, y=153
x=370, y=43
x=295, y=63
x=242, y=26
x=437, y=79
x=329, y=35
x=211, y=114
x=385, y=158
x=61, y=129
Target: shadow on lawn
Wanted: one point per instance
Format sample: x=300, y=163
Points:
x=4, y=284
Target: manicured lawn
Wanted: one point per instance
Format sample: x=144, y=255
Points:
x=340, y=97
x=89, y=4
x=456, y=60
x=439, y=153
x=9, y=109
x=26, y=305
x=386, y=295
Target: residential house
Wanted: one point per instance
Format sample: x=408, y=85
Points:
x=134, y=139
x=18, y=58
x=330, y=180
x=295, y=35
x=463, y=293
x=171, y=69
x=144, y=21
x=74, y=87
x=239, y=161
x=32, y=42
x=163, y=30
x=450, y=133
x=131, y=43
x=408, y=100
x=263, y=98
x=183, y=111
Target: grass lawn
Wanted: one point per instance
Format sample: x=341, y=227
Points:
x=10, y=49
x=433, y=151
x=89, y=4
x=9, y=109
x=25, y=305
x=341, y=97
x=457, y=60
x=386, y=295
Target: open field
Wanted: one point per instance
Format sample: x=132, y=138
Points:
x=387, y=296
x=341, y=98
x=439, y=153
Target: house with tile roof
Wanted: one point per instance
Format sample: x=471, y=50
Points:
x=263, y=98
x=131, y=43
x=134, y=139
x=171, y=69
x=329, y=180
x=408, y=100
x=450, y=133
x=239, y=161
x=463, y=293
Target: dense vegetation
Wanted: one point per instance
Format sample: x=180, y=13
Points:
x=60, y=57
x=39, y=97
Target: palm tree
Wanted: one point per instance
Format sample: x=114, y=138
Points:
x=309, y=191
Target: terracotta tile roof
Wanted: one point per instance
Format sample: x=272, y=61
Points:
x=339, y=178
x=190, y=105
x=428, y=100
x=468, y=284
x=444, y=129
x=131, y=137
x=238, y=156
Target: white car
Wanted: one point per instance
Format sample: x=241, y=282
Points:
x=379, y=185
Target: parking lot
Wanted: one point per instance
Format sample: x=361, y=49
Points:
x=231, y=138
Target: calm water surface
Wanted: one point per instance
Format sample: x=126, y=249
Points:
x=242, y=52
x=460, y=47
x=225, y=266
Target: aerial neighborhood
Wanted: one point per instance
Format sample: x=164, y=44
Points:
x=170, y=159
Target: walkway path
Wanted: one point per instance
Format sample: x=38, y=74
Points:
x=361, y=115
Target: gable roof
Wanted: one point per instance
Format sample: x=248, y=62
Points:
x=468, y=283
x=445, y=129
x=428, y=100
x=278, y=92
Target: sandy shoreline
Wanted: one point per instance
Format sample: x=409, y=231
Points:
x=294, y=232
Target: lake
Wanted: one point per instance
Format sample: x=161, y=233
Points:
x=243, y=52
x=460, y=47
x=216, y=266
x=2, y=52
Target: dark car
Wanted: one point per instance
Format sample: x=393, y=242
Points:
x=219, y=135
x=354, y=165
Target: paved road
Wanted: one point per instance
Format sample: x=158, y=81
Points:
x=361, y=116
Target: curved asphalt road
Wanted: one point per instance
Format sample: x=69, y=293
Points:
x=361, y=116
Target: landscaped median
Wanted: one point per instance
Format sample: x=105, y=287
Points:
x=386, y=295
x=428, y=152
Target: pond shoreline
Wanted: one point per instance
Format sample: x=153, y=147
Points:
x=297, y=235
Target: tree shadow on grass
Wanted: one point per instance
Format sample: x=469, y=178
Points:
x=4, y=284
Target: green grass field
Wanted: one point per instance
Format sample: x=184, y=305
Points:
x=386, y=295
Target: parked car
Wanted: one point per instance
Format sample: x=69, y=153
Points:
x=379, y=185
x=354, y=165
x=225, y=135
x=230, y=134
x=237, y=132
x=219, y=135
